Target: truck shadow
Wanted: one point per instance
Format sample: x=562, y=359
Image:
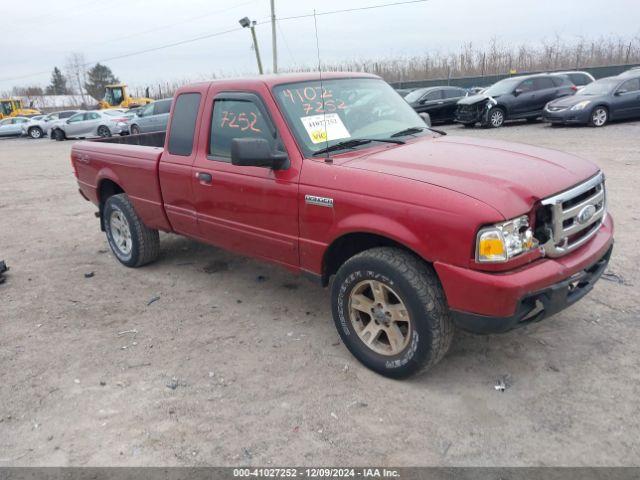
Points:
x=522, y=353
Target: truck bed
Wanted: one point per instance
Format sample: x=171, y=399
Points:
x=131, y=164
x=155, y=139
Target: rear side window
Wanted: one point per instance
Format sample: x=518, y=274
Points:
x=541, y=83
x=579, y=79
x=183, y=124
x=163, y=106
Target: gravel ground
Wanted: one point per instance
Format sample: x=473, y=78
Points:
x=207, y=358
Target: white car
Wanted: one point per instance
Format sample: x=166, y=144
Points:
x=39, y=126
x=96, y=123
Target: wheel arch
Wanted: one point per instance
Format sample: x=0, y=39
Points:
x=349, y=244
x=106, y=188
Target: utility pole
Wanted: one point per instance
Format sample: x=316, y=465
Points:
x=273, y=37
x=245, y=22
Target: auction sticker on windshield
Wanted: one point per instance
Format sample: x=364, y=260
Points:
x=324, y=128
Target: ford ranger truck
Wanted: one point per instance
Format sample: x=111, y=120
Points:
x=337, y=178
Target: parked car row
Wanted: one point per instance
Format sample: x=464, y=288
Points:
x=570, y=97
x=91, y=123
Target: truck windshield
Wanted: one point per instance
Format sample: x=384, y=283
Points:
x=344, y=109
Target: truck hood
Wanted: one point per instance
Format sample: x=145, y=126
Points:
x=510, y=177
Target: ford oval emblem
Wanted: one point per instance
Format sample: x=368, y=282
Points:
x=586, y=214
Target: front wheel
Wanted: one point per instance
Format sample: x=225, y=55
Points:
x=59, y=135
x=135, y=130
x=599, y=117
x=131, y=241
x=495, y=118
x=391, y=313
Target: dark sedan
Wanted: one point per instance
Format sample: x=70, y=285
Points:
x=612, y=98
x=512, y=99
x=439, y=102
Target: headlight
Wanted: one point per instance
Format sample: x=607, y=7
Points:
x=504, y=241
x=581, y=105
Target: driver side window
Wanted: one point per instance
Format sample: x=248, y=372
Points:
x=235, y=119
x=630, y=85
x=76, y=118
x=435, y=95
x=527, y=86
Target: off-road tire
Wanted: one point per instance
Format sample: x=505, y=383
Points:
x=35, y=132
x=59, y=135
x=418, y=286
x=145, y=242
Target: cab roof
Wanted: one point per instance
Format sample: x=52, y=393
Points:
x=271, y=80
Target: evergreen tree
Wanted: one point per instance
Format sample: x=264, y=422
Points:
x=98, y=77
x=58, y=85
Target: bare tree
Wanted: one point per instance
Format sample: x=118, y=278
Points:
x=76, y=70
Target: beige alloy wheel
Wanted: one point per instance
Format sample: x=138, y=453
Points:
x=379, y=317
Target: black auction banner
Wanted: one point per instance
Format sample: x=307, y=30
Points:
x=404, y=473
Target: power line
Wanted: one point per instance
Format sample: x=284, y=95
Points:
x=224, y=32
x=346, y=10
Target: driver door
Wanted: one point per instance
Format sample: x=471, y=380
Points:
x=74, y=125
x=251, y=210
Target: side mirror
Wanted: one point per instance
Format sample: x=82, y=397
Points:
x=619, y=92
x=425, y=118
x=256, y=152
x=517, y=92
x=68, y=121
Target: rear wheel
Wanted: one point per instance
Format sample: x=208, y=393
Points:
x=35, y=132
x=599, y=117
x=131, y=241
x=391, y=313
x=103, y=131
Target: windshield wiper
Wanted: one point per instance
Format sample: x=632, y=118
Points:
x=410, y=130
x=354, y=142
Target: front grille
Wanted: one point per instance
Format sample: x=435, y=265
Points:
x=552, y=108
x=576, y=215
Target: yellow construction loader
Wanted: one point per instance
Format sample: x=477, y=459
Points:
x=12, y=107
x=116, y=96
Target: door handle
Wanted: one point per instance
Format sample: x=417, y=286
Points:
x=204, y=177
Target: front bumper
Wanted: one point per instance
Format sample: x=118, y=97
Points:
x=487, y=302
x=470, y=113
x=566, y=117
x=538, y=305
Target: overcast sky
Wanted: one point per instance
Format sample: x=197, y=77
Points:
x=37, y=38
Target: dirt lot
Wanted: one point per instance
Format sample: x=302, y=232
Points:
x=236, y=362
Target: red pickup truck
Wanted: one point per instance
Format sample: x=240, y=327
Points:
x=339, y=179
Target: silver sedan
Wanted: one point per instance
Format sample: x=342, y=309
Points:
x=98, y=123
x=12, y=126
